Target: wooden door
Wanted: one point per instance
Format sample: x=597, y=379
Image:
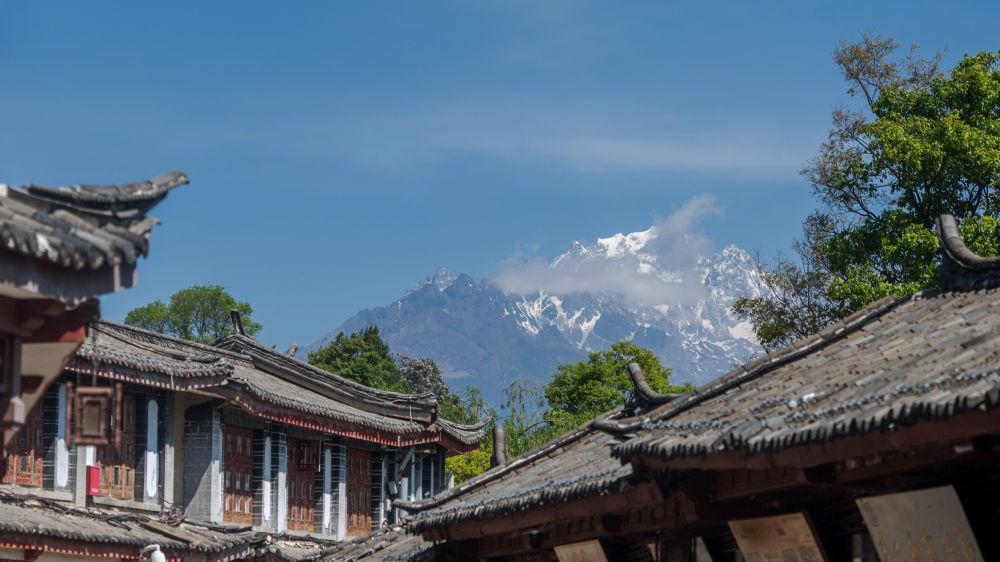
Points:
x=359, y=492
x=237, y=504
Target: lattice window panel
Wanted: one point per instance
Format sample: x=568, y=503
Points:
x=117, y=460
x=303, y=463
x=25, y=456
x=237, y=451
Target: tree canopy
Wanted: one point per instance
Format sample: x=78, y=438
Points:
x=198, y=313
x=533, y=414
x=923, y=143
x=362, y=357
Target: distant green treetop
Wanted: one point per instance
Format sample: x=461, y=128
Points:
x=198, y=313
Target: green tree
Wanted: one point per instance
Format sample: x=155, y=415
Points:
x=362, y=357
x=583, y=390
x=198, y=313
x=923, y=143
x=533, y=415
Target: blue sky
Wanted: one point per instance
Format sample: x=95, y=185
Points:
x=339, y=152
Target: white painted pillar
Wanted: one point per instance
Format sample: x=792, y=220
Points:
x=216, y=468
x=342, y=494
x=151, y=485
x=61, y=476
x=327, y=488
x=282, y=523
x=265, y=483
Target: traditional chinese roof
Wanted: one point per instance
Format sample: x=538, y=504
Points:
x=269, y=385
x=82, y=227
x=41, y=524
x=407, y=406
x=576, y=465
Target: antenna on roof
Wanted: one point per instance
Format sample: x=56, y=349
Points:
x=237, y=321
x=499, y=446
x=643, y=390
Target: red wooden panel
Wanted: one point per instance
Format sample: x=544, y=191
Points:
x=237, y=504
x=303, y=463
x=24, y=456
x=117, y=460
x=359, y=492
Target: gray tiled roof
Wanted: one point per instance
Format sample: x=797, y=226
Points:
x=23, y=518
x=254, y=375
x=83, y=226
x=893, y=364
x=390, y=544
x=149, y=353
x=409, y=406
x=577, y=464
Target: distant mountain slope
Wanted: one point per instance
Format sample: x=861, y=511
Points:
x=483, y=336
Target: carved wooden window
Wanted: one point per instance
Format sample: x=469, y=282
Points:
x=24, y=455
x=117, y=460
x=359, y=492
x=303, y=463
x=237, y=503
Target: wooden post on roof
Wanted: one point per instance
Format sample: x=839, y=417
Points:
x=499, y=446
x=237, y=321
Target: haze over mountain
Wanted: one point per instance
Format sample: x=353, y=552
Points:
x=659, y=288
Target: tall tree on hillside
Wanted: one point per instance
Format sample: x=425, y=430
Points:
x=583, y=390
x=578, y=392
x=925, y=143
x=363, y=357
x=198, y=313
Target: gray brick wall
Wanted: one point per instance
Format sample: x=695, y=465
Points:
x=203, y=463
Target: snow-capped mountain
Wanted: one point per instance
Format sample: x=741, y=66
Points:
x=483, y=335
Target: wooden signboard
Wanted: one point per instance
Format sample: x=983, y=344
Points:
x=587, y=551
x=788, y=538
x=918, y=526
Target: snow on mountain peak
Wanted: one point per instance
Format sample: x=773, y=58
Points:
x=626, y=244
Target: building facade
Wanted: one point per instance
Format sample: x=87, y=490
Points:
x=235, y=436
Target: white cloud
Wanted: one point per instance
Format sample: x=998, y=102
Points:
x=664, y=271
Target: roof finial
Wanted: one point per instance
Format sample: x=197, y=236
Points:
x=643, y=391
x=499, y=446
x=237, y=321
x=962, y=269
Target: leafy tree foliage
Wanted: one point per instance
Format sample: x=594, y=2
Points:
x=533, y=415
x=583, y=390
x=925, y=143
x=198, y=313
x=362, y=357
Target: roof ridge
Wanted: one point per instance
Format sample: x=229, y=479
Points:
x=200, y=346
x=316, y=370
x=963, y=269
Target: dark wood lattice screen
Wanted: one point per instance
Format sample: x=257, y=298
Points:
x=25, y=457
x=237, y=449
x=117, y=460
x=303, y=463
x=359, y=492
